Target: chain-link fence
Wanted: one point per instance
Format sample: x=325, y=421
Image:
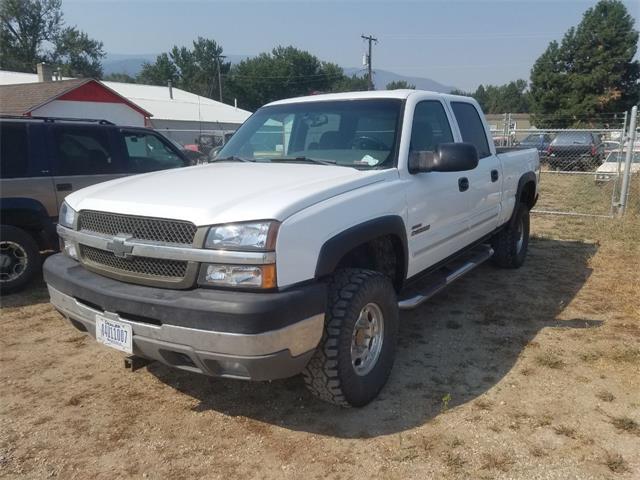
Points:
x=584, y=171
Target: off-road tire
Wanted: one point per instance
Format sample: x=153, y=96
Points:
x=508, y=251
x=330, y=374
x=9, y=233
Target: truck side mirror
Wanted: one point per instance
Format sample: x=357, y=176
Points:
x=448, y=157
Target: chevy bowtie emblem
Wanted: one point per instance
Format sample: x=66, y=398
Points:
x=120, y=247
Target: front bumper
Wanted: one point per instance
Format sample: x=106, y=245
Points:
x=256, y=336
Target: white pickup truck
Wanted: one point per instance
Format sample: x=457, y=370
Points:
x=294, y=251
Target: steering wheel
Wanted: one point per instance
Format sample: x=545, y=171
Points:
x=368, y=143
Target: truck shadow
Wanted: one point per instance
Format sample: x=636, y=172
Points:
x=459, y=345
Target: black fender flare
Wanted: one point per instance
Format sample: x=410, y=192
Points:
x=524, y=179
x=28, y=214
x=338, y=246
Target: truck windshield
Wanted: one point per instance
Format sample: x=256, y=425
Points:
x=354, y=133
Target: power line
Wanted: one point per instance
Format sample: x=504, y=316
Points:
x=370, y=39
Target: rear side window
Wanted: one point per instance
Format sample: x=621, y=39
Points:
x=83, y=151
x=14, y=150
x=471, y=127
x=147, y=153
x=430, y=126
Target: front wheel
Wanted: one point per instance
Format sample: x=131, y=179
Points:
x=19, y=258
x=511, y=243
x=354, y=358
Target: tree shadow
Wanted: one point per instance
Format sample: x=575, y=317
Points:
x=461, y=343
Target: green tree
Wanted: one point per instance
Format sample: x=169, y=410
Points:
x=77, y=54
x=339, y=82
x=511, y=97
x=120, y=77
x=286, y=72
x=400, y=85
x=591, y=72
x=159, y=72
x=33, y=31
x=193, y=69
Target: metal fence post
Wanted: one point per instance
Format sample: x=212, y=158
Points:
x=616, y=186
x=624, y=191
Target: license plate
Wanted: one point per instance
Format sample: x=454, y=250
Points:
x=114, y=334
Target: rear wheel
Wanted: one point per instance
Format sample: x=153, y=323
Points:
x=19, y=258
x=355, y=356
x=511, y=243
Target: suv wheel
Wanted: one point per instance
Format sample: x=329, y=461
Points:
x=19, y=258
x=357, y=350
x=511, y=243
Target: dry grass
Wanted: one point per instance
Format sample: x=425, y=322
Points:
x=540, y=379
x=566, y=431
x=496, y=461
x=578, y=193
x=483, y=404
x=550, y=360
x=454, y=460
x=626, y=424
x=616, y=463
x=605, y=396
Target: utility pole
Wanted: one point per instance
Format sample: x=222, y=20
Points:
x=219, y=74
x=370, y=39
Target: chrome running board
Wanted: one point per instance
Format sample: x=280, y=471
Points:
x=444, y=277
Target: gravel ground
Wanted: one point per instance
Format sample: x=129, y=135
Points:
x=533, y=373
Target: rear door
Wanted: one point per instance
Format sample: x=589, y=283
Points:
x=437, y=207
x=24, y=170
x=83, y=155
x=485, y=181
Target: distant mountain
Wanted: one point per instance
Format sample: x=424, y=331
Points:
x=382, y=77
x=132, y=64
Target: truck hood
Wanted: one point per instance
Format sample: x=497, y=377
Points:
x=224, y=192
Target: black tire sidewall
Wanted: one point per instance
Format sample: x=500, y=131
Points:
x=361, y=389
x=522, y=217
x=24, y=239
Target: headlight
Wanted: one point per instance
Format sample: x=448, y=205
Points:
x=249, y=276
x=243, y=236
x=67, y=217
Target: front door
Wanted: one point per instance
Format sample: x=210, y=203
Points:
x=438, y=201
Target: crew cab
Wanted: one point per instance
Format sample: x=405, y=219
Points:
x=44, y=159
x=294, y=251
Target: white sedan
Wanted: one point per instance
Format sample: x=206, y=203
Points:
x=614, y=165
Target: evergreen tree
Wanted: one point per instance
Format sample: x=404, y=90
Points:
x=590, y=73
x=400, y=85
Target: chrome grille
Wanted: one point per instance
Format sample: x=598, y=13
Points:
x=153, y=267
x=142, y=228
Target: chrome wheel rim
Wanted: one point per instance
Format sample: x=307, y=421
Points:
x=520, y=236
x=13, y=261
x=367, y=338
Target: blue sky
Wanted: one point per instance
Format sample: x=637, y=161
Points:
x=453, y=42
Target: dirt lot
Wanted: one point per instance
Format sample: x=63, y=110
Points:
x=533, y=373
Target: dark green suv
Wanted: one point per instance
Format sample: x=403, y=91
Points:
x=42, y=160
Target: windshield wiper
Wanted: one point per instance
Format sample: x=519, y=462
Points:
x=303, y=159
x=232, y=158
